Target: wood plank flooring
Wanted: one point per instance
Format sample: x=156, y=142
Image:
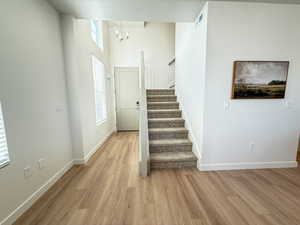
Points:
x=109, y=191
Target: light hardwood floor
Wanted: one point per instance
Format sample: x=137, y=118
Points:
x=109, y=191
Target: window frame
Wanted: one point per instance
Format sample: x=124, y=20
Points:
x=100, y=96
x=2, y=123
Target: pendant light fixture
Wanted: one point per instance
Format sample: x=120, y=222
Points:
x=120, y=34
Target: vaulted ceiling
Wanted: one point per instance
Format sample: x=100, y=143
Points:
x=140, y=10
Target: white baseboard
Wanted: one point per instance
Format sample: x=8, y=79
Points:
x=97, y=147
x=35, y=196
x=93, y=151
x=243, y=166
x=79, y=161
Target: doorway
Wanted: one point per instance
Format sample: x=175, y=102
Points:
x=127, y=98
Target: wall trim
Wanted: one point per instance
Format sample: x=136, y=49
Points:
x=78, y=161
x=98, y=146
x=94, y=150
x=250, y=165
x=10, y=219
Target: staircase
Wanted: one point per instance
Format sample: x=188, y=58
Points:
x=169, y=145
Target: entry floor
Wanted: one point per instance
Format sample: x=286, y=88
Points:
x=109, y=191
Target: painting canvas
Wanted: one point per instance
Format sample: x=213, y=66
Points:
x=259, y=79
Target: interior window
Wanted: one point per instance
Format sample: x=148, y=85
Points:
x=4, y=157
x=99, y=88
x=97, y=33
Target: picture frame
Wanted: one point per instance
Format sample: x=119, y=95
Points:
x=259, y=79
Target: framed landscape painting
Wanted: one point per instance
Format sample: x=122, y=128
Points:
x=259, y=79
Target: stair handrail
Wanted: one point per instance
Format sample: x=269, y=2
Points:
x=144, y=163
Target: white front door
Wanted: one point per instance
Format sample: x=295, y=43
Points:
x=127, y=97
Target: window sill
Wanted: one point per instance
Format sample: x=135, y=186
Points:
x=4, y=165
x=100, y=123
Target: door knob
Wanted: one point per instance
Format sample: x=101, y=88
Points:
x=138, y=103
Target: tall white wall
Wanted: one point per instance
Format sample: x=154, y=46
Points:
x=251, y=31
x=79, y=47
x=246, y=31
x=33, y=96
x=73, y=85
x=47, y=94
x=92, y=134
x=158, y=42
x=190, y=75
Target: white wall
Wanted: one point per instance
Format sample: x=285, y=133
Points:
x=251, y=31
x=190, y=76
x=248, y=31
x=93, y=135
x=33, y=93
x=86, y=136
x=35, y=89
x=158, y=42
x=73, y=84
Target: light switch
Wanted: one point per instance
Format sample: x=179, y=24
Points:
x=226, y=106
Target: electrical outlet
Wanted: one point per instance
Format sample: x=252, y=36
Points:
x=251, y=146
x=42, y=163
x=27, y=172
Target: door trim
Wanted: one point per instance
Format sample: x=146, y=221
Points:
x=125, y=69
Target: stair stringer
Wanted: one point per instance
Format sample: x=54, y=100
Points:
x=196, y=148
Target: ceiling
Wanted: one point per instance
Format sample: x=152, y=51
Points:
x=132, y=10
x=140, y=10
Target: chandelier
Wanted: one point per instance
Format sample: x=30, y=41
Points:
x=120, y=34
